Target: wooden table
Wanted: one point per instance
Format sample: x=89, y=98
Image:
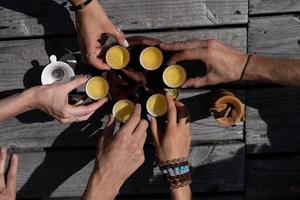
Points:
x=258, y=159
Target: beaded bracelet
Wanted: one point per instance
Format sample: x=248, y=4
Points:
x=177, y=172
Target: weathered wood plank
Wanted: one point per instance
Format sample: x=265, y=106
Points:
x=272, y=120
x=35, y=130
x=22, y=61
x=273, y=178
x=65, y=173
x=32, y=18
x=275, y=36
x=273, y=6
x=164, y=197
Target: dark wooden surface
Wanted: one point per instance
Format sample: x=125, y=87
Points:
x=258, y=159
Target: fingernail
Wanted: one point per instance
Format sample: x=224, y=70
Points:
x=184, y=86
x=148, y=117
x=126, y=44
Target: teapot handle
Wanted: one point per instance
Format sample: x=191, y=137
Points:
x=53, y=58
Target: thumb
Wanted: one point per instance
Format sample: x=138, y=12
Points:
x=196, y=82
x=77, y=82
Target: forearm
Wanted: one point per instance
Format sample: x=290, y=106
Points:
x=280, y=71
x=100, y=187
x=183, y=193
x=16, y=104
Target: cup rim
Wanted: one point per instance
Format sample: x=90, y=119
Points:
x=114, y=107
x=147, y=105
x=127, y=52
x=147, y=68
x=47, y=69
x=86, y=90
x=174, y=86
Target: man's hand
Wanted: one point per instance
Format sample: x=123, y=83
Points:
x=224, y=63
x=8, y=187
x=53, y=99
x=118, y=156
x=92, y=26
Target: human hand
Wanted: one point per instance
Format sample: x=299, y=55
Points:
x=125, y=148
x=118, y=156
x=224, y=64
x=92, y=26
x=53, y=99
x=176, y=140
x=8, y=187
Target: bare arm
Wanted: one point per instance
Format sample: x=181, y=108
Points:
x=118, y=156
x=280, y=71
x=93, y=25
x=175, y=142
x=16, y=104
x=52, y=99
x=225, y=64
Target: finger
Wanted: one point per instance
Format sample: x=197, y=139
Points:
x=137, y=41
x=154, y=130
x=196, y=82
x=110, y=127
x=182, y=113
x=133, y=121
x=76, y=83
x=119, y=36
x=190, y=54
x=172, y=113
x=140, y=133
x=12, y=174
x=190, y=44
x=3, y=155
x=92, y=57
x=86, y=110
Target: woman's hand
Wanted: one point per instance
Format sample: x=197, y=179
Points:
x=8, y=187
x=176, y=140
x=53, y=99
x=174, y=143
x=118, y=156
x=92, y=26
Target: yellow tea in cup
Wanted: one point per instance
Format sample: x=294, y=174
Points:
x=117, y=57
x=174, y=76
x=157, y=105
x=97, y=88
x=151, y=58
x=122, y=110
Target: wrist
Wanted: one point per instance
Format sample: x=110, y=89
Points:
x=93, y=6
x=182, y=193
x=252, y=69
x=29, y=97
x=106, y=174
